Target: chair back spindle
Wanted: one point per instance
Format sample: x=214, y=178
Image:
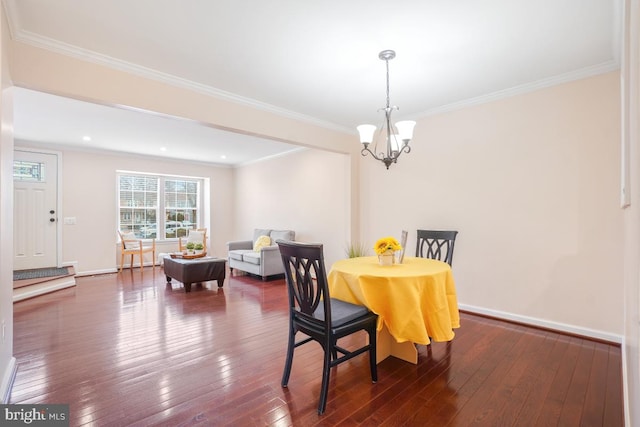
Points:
x=436, y=244
x=308, y=285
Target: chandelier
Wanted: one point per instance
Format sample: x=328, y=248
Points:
x=394, y=140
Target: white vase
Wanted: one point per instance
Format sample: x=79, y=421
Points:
x=387, y=258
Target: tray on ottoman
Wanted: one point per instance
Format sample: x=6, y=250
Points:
x=187, y=256
x=196, y=270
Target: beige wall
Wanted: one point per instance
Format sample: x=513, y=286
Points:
x=89, y=194
x=532, y=183
x=306, y=191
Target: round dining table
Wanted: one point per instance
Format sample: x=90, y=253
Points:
x=415, y=300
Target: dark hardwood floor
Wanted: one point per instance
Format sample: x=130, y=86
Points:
x=125, y=349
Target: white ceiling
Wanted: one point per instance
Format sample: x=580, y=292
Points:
x=317, y=61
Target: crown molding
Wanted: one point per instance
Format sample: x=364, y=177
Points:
x=12, y=17
x=100, y=59
x=117, y=64
x=582, y=73
x=25, y=144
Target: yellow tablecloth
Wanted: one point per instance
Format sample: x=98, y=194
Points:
x=415, y=300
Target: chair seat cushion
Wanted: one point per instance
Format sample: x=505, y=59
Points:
x=251, y=257
x=237, y=253
x=341, y=312
x=131, y=236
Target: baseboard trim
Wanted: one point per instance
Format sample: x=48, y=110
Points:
x=35, y=290
x=8, y=379
x=544, y=324
x=73, y=264
x=96, y=272
x=114, y=270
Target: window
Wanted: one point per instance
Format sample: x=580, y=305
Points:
x=148, y=203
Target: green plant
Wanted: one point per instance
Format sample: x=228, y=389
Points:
x=355, y=250
x=190, y=246
x=199, y=246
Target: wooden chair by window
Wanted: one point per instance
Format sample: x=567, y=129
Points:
x=196, y=236
x=313, y=312
x=436, y=244
x=132, y=245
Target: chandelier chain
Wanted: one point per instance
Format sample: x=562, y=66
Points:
x=388, y=99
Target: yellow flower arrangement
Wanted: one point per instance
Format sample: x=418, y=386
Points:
x=387, y=244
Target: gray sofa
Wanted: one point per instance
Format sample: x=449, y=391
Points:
x=264, y=262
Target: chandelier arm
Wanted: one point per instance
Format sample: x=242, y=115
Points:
x=388, y=123
x=405, y=149
x=379, y=156
x=366, y=150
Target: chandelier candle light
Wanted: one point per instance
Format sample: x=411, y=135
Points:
x=397, y=139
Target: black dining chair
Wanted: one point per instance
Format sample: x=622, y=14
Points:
x=436, y=244
x=323, y=319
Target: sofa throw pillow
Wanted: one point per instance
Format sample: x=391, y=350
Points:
x=131, y=236
x=260, y=232
x=261, y=242
x=282, y=235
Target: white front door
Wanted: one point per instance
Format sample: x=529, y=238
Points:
x=35, y=193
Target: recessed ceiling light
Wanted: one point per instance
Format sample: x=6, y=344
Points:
x=86, y=138
x=223, y=157
x=163, y=148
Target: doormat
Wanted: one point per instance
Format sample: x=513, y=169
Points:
x=38, y=273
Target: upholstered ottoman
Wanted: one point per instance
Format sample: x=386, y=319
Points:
x=196, y=270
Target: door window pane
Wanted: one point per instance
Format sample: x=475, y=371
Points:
x=28, y=171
